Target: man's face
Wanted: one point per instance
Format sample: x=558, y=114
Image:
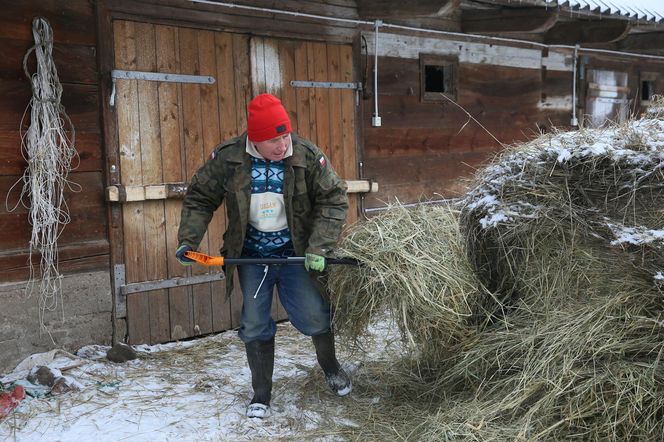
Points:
x=274, y=149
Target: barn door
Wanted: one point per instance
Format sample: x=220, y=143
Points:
x=166, y=130
x=607, y=97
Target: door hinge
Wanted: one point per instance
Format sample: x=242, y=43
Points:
x=119, y=74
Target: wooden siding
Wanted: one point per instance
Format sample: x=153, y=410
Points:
x=436, y=144
x=84, y=242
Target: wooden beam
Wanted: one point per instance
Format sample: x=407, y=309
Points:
x=645, y=41
x=123, y=194
x=508, y=20
x=375, y=9
x=605, y=30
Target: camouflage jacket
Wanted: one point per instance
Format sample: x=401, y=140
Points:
x=315, y=198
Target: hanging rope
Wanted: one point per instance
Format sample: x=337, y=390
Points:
x=49, y=152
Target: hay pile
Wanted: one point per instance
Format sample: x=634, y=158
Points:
x=415, y=267
x=567, y=234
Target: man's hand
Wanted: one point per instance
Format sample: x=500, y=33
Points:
x=314, y=262
x=179, y=254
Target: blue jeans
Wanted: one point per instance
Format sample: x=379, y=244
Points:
x=307, y=310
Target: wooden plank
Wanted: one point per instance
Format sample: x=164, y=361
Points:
x=642, y=42
x=437, y=176
x=211, y=137
x=334, y=114
x=80, y=101
x=508, y=20
x=154, y=247
x=86, y=212
x=286, y=51
x=313, y=97
x=322, y=100
x=80, y=256
x=138, y=325
x=361, y=186
x=72, y=21
x=349, y=129
x=242, y=97
x=242, y=80
x=303, y=96
x=399, y=9
x=167, y=54
x=172, y=151
x=237, y=20
x=573, y=32
x=226, y=89
x=88, y=146
x=226, y=85
x=256, y=61
x=75, y=63
x=194, y=157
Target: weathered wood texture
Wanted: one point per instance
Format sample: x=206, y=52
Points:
x=84, y=242
x=423, y=149
x=220, y=18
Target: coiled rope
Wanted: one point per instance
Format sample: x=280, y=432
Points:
x=48, y=149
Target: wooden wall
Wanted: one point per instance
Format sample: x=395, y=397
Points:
x=635, y=68
x=83, y=244
x=424, y=150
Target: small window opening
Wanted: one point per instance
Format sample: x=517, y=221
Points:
x=438, y=77
x=647, y=89
x=435, y=80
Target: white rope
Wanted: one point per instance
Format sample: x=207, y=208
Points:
x=49, y=152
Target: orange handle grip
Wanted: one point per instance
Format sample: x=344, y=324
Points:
x=203, y=259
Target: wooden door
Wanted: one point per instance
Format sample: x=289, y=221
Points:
x=167, y=130
x=607, y=97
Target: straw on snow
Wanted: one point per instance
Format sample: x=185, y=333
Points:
x=567, y=232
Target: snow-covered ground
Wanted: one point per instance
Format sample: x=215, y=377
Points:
x=190, y=391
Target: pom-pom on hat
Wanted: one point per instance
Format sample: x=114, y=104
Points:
x=267, y=118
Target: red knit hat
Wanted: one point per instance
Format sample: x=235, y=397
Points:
x=267, y=118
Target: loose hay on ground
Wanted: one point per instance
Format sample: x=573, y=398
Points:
x=567, y=232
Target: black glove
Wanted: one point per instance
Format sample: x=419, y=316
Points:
x=179, y=254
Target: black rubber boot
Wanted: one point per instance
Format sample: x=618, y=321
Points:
x=337, y=379
x=260, y=356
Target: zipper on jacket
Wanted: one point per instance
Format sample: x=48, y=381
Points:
x=267, y=174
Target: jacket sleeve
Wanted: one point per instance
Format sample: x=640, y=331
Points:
x=204, y=195
x=330, y=204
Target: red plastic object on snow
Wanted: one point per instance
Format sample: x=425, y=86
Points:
x=10, y=400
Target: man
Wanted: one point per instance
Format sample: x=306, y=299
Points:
x=283, y=199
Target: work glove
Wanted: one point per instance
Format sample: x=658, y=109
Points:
x=179, y=254
x=314, y=262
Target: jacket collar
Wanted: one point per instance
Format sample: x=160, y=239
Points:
x=251, y=148
x=297, y=159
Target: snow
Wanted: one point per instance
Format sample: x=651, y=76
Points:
x=635, y=235
x=195, y=390
x=561, y=148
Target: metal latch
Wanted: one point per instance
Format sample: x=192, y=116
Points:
x=156, y=76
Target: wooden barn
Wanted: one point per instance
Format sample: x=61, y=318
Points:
x=405, y=98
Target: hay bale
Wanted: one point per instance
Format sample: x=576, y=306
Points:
x=567, y=230
x=415, y=266
x=589, y=188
